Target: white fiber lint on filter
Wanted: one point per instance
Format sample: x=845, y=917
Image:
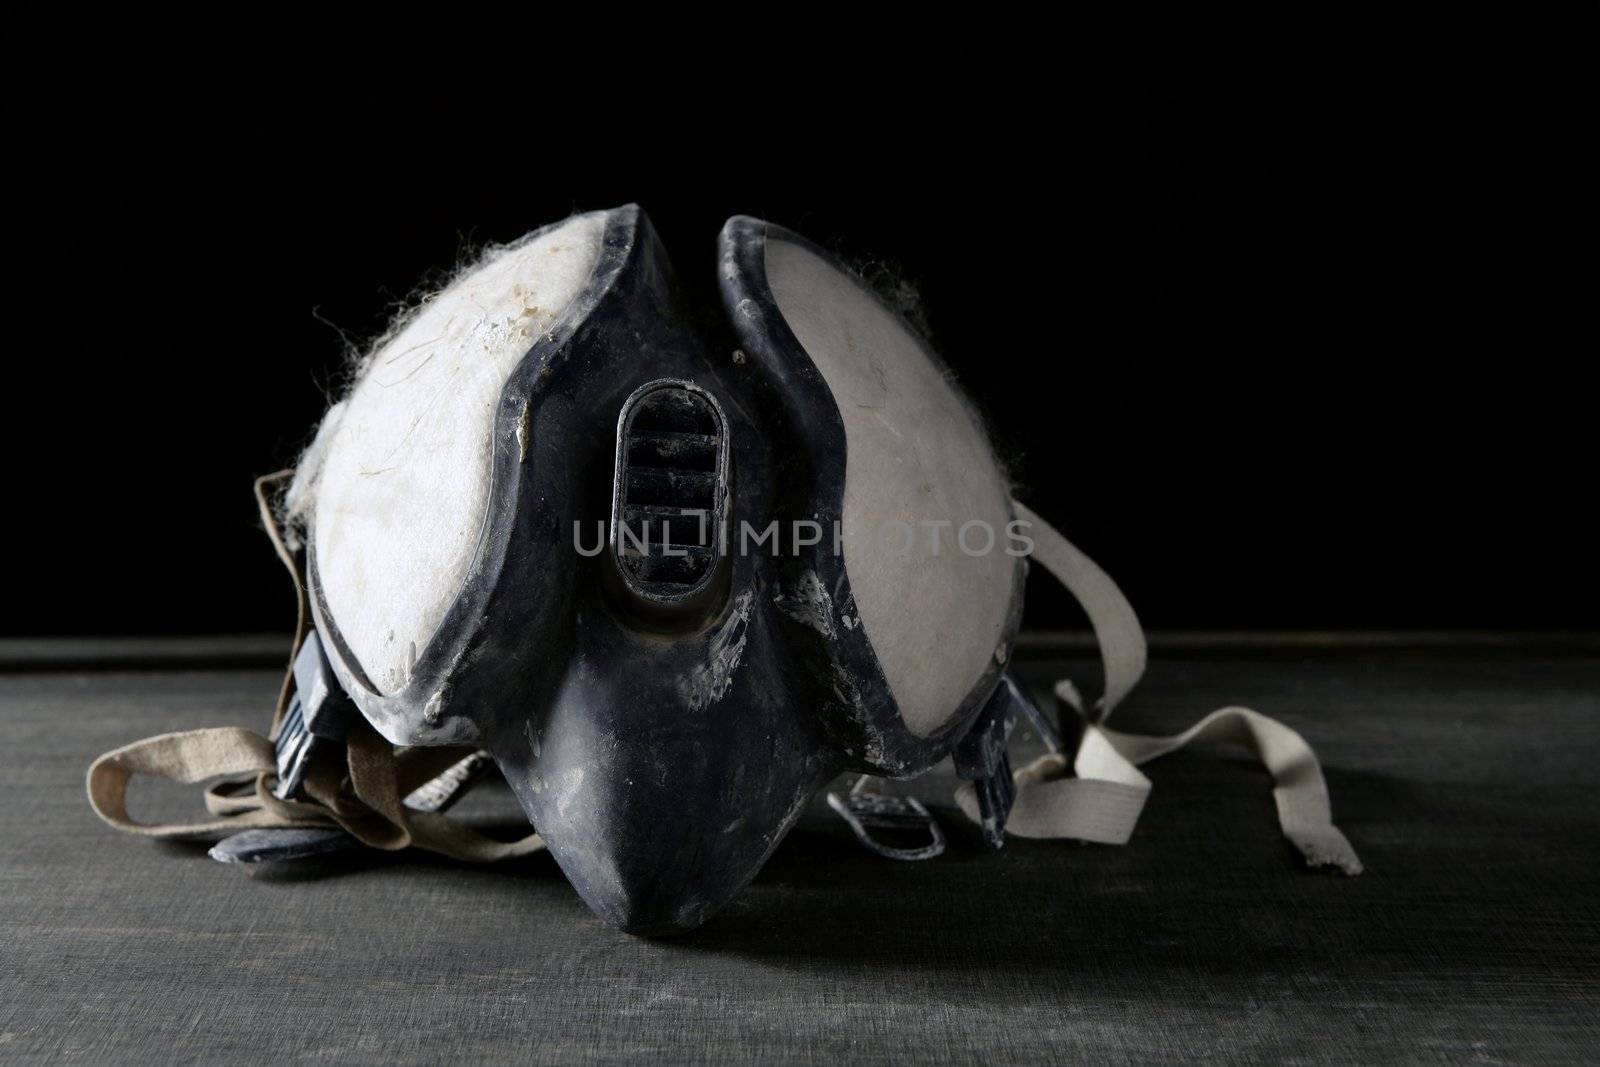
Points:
x=917, y=461
x=404, y=483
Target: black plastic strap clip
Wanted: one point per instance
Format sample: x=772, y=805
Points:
x=898, y=828
x=981, y=758
x=317, y=720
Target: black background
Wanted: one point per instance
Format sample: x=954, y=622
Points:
x=1280, y=345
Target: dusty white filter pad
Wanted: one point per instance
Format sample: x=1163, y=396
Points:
x=916, y=456
x=402, y=478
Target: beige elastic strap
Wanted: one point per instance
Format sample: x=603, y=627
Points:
x=1103, y=800
x=264, y=486
x=1116, y=627
x=365, y=796
x=190, y=757
x=367, y=802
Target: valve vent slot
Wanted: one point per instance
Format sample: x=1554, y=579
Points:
x=670, y=493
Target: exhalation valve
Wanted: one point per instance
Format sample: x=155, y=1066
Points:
x=669, y=502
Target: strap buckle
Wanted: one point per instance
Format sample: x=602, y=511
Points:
x=897, y=828
x=317, y=720
x=981, y=757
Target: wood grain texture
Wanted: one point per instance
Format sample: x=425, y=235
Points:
x=1467, y=787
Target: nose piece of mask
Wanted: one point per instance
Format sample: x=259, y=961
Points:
x=637, y=551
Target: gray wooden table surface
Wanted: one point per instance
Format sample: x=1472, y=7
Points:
x=1465, y=778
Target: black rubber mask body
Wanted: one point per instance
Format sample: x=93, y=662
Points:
x=663, y=699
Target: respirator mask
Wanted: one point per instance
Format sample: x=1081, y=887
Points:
x=670, y=569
